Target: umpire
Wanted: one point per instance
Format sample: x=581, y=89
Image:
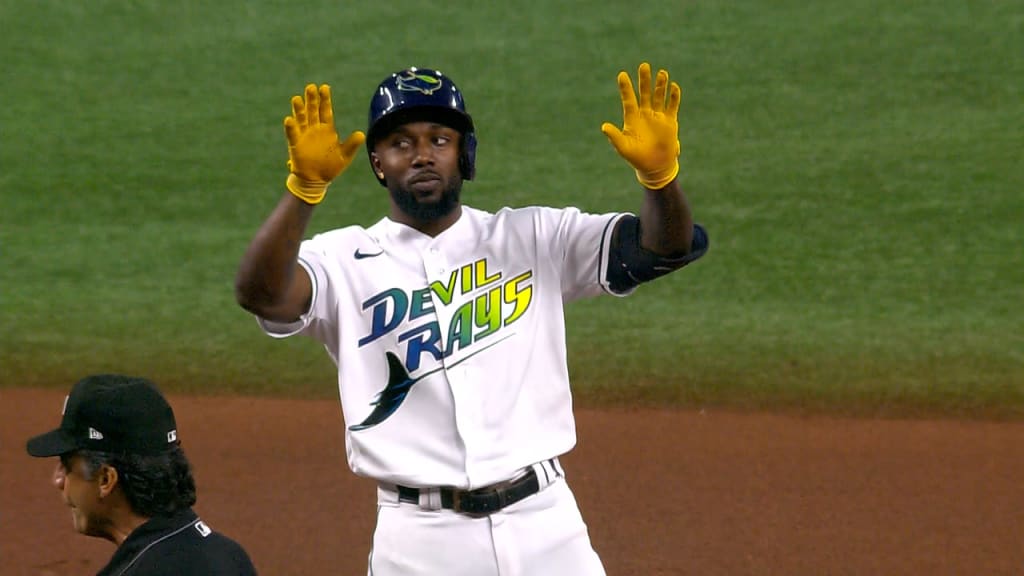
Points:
x=125, y=477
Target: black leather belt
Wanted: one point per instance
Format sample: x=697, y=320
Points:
x=482, y=501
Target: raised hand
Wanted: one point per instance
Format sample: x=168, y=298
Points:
x=649, y=138
x=315, y=156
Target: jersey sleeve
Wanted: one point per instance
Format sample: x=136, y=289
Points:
x=315, y=260
x=580, y=244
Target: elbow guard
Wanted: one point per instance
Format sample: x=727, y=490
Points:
x=630, y=265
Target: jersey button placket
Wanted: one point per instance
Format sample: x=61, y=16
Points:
x=436, y=268
x=436, y=265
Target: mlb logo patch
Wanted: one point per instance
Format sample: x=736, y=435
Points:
x=202, y=528
x=172, y=436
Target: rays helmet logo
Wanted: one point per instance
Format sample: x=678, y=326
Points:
x=410, y=81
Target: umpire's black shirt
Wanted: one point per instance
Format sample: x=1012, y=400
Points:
x=176, y=546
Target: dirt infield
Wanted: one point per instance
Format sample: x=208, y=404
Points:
x=663, y=492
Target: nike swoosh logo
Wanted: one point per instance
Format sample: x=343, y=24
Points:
x=360, y=255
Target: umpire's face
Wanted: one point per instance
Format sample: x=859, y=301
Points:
x=85, y=493
x=419, y=163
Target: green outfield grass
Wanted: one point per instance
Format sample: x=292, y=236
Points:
x=859, y=165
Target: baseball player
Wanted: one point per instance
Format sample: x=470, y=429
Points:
x=446, y=322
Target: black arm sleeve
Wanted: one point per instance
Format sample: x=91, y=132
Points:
x=630, y=265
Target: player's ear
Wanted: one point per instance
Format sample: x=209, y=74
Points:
x=375, y=163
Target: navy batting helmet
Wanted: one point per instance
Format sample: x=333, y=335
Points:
x=421, y=94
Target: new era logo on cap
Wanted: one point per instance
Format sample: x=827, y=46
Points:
x=95, y=434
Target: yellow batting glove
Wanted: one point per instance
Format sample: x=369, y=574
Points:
x=315, y=156
x=649, y=138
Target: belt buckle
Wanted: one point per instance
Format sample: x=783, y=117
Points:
x=495, y=497
x=464, y=502
x=457, y=501
x=460, y=500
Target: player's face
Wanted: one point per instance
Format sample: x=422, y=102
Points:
x=419, y=162
x=82, y=494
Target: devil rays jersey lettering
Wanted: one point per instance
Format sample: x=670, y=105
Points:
x=451, y=349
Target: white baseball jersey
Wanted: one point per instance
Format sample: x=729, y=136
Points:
x=451, y=350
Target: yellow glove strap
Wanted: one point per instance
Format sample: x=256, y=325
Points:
x=658, y=179
x=309, y=192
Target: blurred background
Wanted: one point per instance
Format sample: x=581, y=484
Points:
x=857, y=163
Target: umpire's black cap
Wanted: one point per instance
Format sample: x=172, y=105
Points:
x=111, y=413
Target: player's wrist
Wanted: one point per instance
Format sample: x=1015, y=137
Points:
x=309, y=192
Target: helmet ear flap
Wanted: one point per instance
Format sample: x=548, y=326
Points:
x=467, y=162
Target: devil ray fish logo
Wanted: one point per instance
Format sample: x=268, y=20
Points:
x=392, y=396
x=410, y=81
x=399, y=385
